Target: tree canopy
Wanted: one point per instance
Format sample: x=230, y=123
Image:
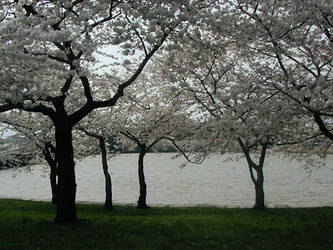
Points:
x=257, y=73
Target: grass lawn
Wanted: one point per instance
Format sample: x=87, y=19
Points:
x=29, y=225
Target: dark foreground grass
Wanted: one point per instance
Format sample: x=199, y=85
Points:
x=29, y=225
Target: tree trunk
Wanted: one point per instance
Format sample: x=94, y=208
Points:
x=108, y=183
x=53, y=182
x=143, y=187
x=259, y=189
x=53, y=170
x=66, y=188
x=259, y=181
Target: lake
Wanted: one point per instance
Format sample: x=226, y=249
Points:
x=216, y=182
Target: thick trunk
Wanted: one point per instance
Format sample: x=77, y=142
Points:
x=108, y=183
x=66, y=188
x=143, y=187
x=259, y=188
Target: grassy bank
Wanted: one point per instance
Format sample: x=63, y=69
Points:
x=29, y=225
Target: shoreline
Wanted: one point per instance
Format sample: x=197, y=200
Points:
x=160, y=205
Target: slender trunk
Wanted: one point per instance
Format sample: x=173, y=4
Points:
x=143, y=187
x=108, y=183
x=66, y=188
x=259, y=187
x=258, y=180
x=53, y=171
x=53, y=182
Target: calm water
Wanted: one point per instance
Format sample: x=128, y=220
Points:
x=217, y=182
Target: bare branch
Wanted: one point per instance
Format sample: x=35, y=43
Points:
x=67, y=85
x=109, y=17
x=91, y=134
x=322, y=126
x=81, y=113
x=139, y=36
x=87, y=89
x=248, y=159
x=181, y=150
x=40, y=108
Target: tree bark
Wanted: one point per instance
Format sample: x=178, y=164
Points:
x=142, y=203
x=259, y=190
x=66, y=188
x=322, y=126
x=108, y=182
x=53, y=182
x=53, y=171
x=258, y=181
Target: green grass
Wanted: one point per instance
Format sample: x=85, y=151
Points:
x=29, y=225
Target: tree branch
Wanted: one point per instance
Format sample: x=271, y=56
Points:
x=139, y=36
x=109, y=17
x=250, y=162
x=91, y=134
x=181, y=150
x=87, y=89
x=322, y=126
x=130, y=136
x=20, y=105
x=86, y=109
x=67, y=85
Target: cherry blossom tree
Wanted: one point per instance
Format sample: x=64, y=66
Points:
x=289, y=45
x=154, y=115
x=235, y=106
x=37, y=133
x=14, y=148
x=147, y=115
x=13, y=153
x=38, y=146
x=265, y=76
x=96, y=127
x=47, y=56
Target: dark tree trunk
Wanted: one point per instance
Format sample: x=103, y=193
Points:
x=53, y=169
x=258, y=180
x=66, y=188
x=259, y=188
x=143, y=187
x=53, y=182
x=108, y=183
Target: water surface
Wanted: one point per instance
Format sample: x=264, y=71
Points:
x=217, y=182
